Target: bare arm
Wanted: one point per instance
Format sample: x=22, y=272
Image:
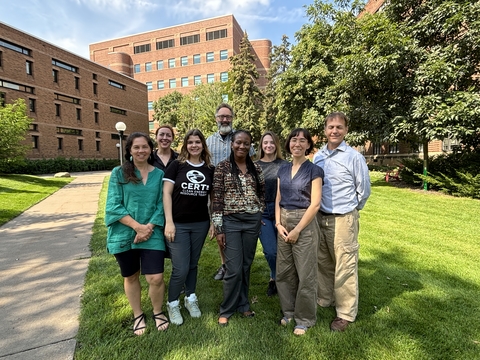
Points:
x=167, y=208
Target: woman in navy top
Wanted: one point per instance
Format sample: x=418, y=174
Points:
x=299, y=192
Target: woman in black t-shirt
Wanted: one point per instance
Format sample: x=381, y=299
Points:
x=186, y=187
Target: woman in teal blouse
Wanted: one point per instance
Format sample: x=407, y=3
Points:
x=135, y=220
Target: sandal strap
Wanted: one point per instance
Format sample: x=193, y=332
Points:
x=136, y=324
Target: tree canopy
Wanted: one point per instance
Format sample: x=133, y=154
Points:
x=14, y=124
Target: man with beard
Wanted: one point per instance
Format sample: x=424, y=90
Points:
x=219, y=145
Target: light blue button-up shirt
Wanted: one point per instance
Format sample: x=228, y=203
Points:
x=221, y=148
x=346, y=183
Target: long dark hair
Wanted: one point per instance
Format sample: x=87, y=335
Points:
x=128, y=166
x=250, y=165
x=205, y=155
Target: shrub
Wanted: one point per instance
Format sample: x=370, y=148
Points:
x=51, y=166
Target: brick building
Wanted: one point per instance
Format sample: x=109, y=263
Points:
x=180, y=57
x=74, y=102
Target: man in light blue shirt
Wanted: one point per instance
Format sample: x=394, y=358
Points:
x=345, y=191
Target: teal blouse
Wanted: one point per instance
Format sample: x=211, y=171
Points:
x=144, y=203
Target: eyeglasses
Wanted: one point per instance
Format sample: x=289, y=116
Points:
x=228, y=117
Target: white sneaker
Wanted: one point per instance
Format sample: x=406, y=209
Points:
x=192, y=306
x=174, y=312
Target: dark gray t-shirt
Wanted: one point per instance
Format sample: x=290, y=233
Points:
x=270, y=171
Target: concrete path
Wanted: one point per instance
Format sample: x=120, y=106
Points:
x=44, y=255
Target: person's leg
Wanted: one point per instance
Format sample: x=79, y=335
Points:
x=287, y=278
x=268, y=238
x=305, y=257
x=232, y=281
x=346, y=270
x=326, y=261
x=152, y=262
x=180, y=251
x=250, y=229
x=198, y=233
x=129, y=262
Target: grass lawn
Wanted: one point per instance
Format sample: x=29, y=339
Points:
x=20, y=192
x=419, y=295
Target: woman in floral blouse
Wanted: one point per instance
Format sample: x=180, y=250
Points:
x=238, y=203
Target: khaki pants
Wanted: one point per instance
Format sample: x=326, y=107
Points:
x=297, y=270
x=338, y=263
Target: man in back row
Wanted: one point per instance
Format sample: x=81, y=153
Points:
x=345, y=191
x=219, y=145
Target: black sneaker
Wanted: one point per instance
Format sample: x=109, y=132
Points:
x=220, y=272
x=272, y=288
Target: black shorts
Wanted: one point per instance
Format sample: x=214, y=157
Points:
x=150, y=261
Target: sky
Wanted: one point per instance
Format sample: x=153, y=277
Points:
x=74, y=24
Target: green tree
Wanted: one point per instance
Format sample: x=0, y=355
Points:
x=14, y=124
x=279, y=61
x=247, y=99
x=197, y=109
x=166, y=108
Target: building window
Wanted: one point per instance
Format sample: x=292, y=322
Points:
x=95, y=105
x=150, y=105
x=79, y=114
x=55, y=75
x=196, y=59
x=95, y=115
x=35, y=141
x=33, y=127
x=218, y=34
x=118, y=111
x=148, y=66
x=15, y=86
x=224, y=76
x=184, y=81
x=97, y=134
x=187, y=40
x=80, y=144
x=77, y=83
x=160, y=84
x=149, y=86
x=223, y=54
x=94, y=88
x=94, y=76
x=210, y=57
x=165, y=44
x=136, y=68
x=450, y=144
x=141, y=48
x=29, y=67
x=31, y=105
x=377, y=148
x=210, y=78
x=116, y=84
x=172, y=83
x=66, y=98
x=97, y=145
x=2, y=99
x=151, y=126
x=65, y=66
x=184, y=61
x=393, y=149
x=60, y=143
x=197, y=79
x=160, y=65
x=225, y=98
x=171, y=63
x=14, y=47
x=57, y=109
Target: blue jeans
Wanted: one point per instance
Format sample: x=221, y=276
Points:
x=268, y=237
x=185, y=252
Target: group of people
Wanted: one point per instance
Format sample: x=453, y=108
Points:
x=162, y=203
